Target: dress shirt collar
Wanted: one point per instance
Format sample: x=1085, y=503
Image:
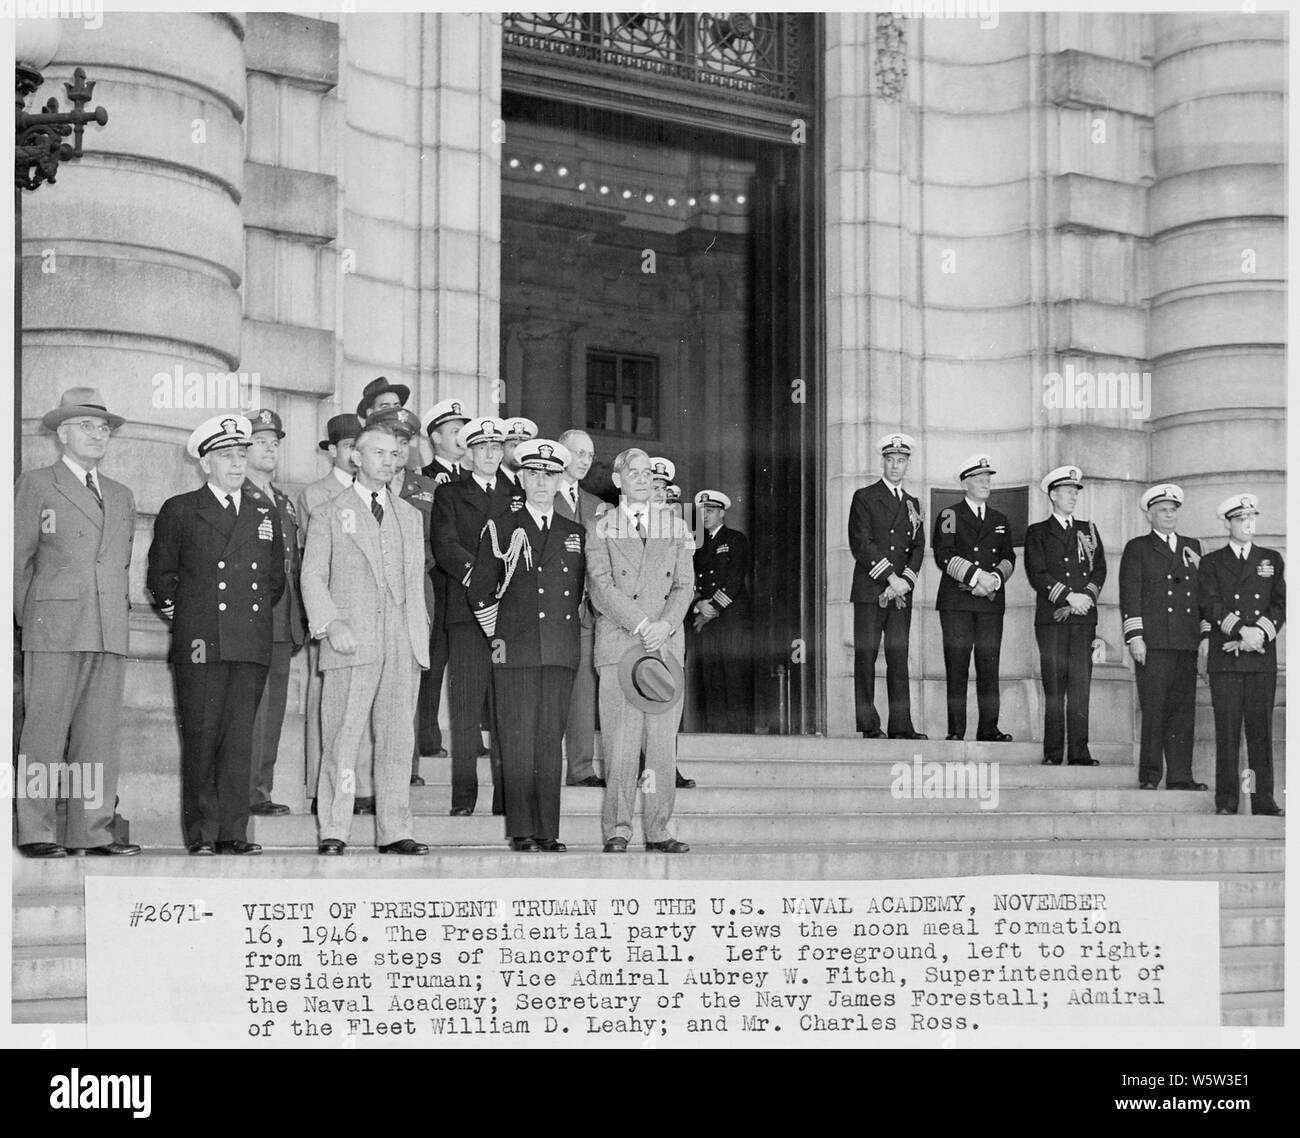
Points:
x=538, y=516
x=344, y=479
x=485, y=484
x=385, y=499
x=79, y=472
x=976, y=508
x=222, y=495
x=1240, y=550
x=1064, y=521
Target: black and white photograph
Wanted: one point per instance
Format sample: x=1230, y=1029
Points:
x=657, y=530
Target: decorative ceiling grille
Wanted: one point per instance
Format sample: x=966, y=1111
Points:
x=741, y=55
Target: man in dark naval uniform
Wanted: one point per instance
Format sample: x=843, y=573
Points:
x=288, y=617
x=1066, y=565
x=460, y=511
x=722, y=641
x=216, y=570
x=887, y=539
x=1160, y=605
x=972, y=547
x=1243, y=596
x=525, y=591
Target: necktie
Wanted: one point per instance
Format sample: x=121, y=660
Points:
x=375, y=507
x=490, y=489
x=979, y=512
x=640, y=527
x=90, y=485
x=230, y=506
x=544, y=529
x=1241, y=553
x=897, y=496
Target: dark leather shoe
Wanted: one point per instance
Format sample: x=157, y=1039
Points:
x=672, y=845
x=42, y=849
x=1084, y=763
x=113, y=849
x=1053, y=763
x=1186, y=786
x=1147, y=786
x=201, y=849
x=590, y=780
x=313, y=806
x=363, y=805
x=616, y=845
x=1276, y=812
x=331, y=847
x=955, y=738
x=460, y=812
x=523, y=845
x=405, y=846
x=550, y=845
x=416, y=780
x=907, y=735
x=440, y=753
x=1224, y=810
x=273, y=809
x=684, y=783
x=996, y=737
x=238, y=846
x=874, y=733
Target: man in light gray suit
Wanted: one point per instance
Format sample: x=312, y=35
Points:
x=641, y=581
x=363, y=584
x=73, y=532
x=581, y=506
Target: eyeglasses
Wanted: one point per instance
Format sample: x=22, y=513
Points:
x=91, y=428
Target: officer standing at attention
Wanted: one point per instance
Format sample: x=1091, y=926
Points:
x=887, y=539
x=1243, y=596
x=517, y=430
x=1066, y=565
x=216, y=570
x=721, y=622
x=972, y=547
x=525, y=591
x=1160, y=604
x=442, y=423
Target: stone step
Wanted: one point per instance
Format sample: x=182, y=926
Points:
x=1252, y=968
x=750, y=747
x=58, y=918
x=1253, y=1009
x=1243, y=927
x=1250, y=865
x=579, y=800
x=854, y=772
x=66, y=1010
x=746, y=830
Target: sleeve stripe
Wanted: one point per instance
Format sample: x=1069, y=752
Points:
x=1094, y=589
x=1133, y=624
x=1005, y=568
x=958, y=567
x=1056, y=592
x=1229, y=622
x=1269, y=629
x=910, y=575
x=721, y=599
x=1205, y=628
x=880, y=568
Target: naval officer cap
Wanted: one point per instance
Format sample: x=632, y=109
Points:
x=402, y=421
x=267, y=420
x=448, y=411
x=219, y=433
x=1238, y=506
x=1165, y=492
x=544, y=455
x=896, y=443
x=377, y=387
x=338, y=428
x=662, y=469
x=976, y=464
x=674, y=494
x=1062, y=476
x=484, y=429
x=715, y=498
x=518, y=429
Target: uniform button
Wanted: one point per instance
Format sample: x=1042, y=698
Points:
x=1256, y=596
x=1236, y=596
x=1189, y=610
x=221, y=607
x=255, y=608
x=253, y=566
x=540, y=615
x=1171, y=610
x=977, y=549
x=1171, y=592
x=221, y=564
x=221, y=584
x=541, y=590
x=254, y=584
x=566, y=592
x=568, y=616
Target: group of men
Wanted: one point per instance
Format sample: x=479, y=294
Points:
x=1177, y=605
x=492, y=564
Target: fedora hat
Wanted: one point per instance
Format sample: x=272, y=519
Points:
x=77, y=401
x=652, y=682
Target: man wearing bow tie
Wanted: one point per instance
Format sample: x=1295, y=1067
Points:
x=73, y=531
x=972, y=547
x=1066, y=565
x=1243, y=596
x=1164, y=632
x=887, y=540
x=216, y=570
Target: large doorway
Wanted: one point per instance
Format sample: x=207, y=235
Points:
x=659, y=290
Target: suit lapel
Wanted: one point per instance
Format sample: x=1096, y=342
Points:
x=78, y=494
x=1244, y=565
x=366, y=532
x=1162, y=546
x=249, y=519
